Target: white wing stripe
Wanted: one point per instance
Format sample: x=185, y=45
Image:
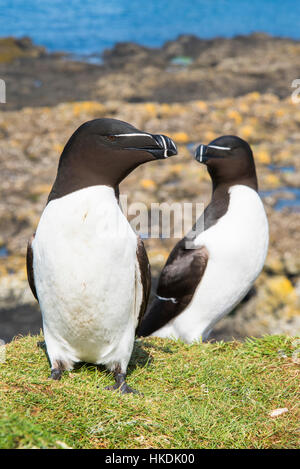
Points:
x=167, y=299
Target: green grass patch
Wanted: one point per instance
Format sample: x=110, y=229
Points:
x=210, y=395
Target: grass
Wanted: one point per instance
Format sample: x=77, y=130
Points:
x=213, y=395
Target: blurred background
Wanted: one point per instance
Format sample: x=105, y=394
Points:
x=193, y=69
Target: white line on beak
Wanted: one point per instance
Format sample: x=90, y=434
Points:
x=133, y=135
x=201, y=153
x=218, y=148
x=165, y=147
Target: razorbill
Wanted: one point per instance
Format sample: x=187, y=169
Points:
x=86, y=266
x=208, y=273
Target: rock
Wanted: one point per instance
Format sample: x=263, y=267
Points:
x=277, y=412
x=11, y=49
x=125, y=53
x=185, y=45
x=211, y=69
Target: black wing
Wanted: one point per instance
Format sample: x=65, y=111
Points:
x=29, y=263
x=178, y=281
x=145, y=273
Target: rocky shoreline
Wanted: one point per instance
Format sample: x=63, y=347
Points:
x=191, y=89
x=185, y=69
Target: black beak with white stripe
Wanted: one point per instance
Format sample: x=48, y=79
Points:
x=205, y=152
x=160, y=146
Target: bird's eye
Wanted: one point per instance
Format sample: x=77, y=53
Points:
x=112, y=138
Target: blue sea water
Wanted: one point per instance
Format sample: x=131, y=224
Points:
x=89, y=26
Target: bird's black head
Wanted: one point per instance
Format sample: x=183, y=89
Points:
x=104, y=152
x=114, y=134
x=229, y=160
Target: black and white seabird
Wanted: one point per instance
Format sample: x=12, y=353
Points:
x=204, y=282
x=86, y=266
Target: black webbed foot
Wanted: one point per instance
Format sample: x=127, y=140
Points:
x=121, y=385
x=58, y=367
x=123, y=389
x=56, y=374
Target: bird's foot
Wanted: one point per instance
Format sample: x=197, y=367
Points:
x=56, y=374
x=123, y=389
x=121, y=385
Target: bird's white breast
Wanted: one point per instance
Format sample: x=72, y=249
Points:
x=84, y=270
x=237, y=245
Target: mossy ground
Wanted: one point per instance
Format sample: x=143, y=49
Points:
x=212, y=395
